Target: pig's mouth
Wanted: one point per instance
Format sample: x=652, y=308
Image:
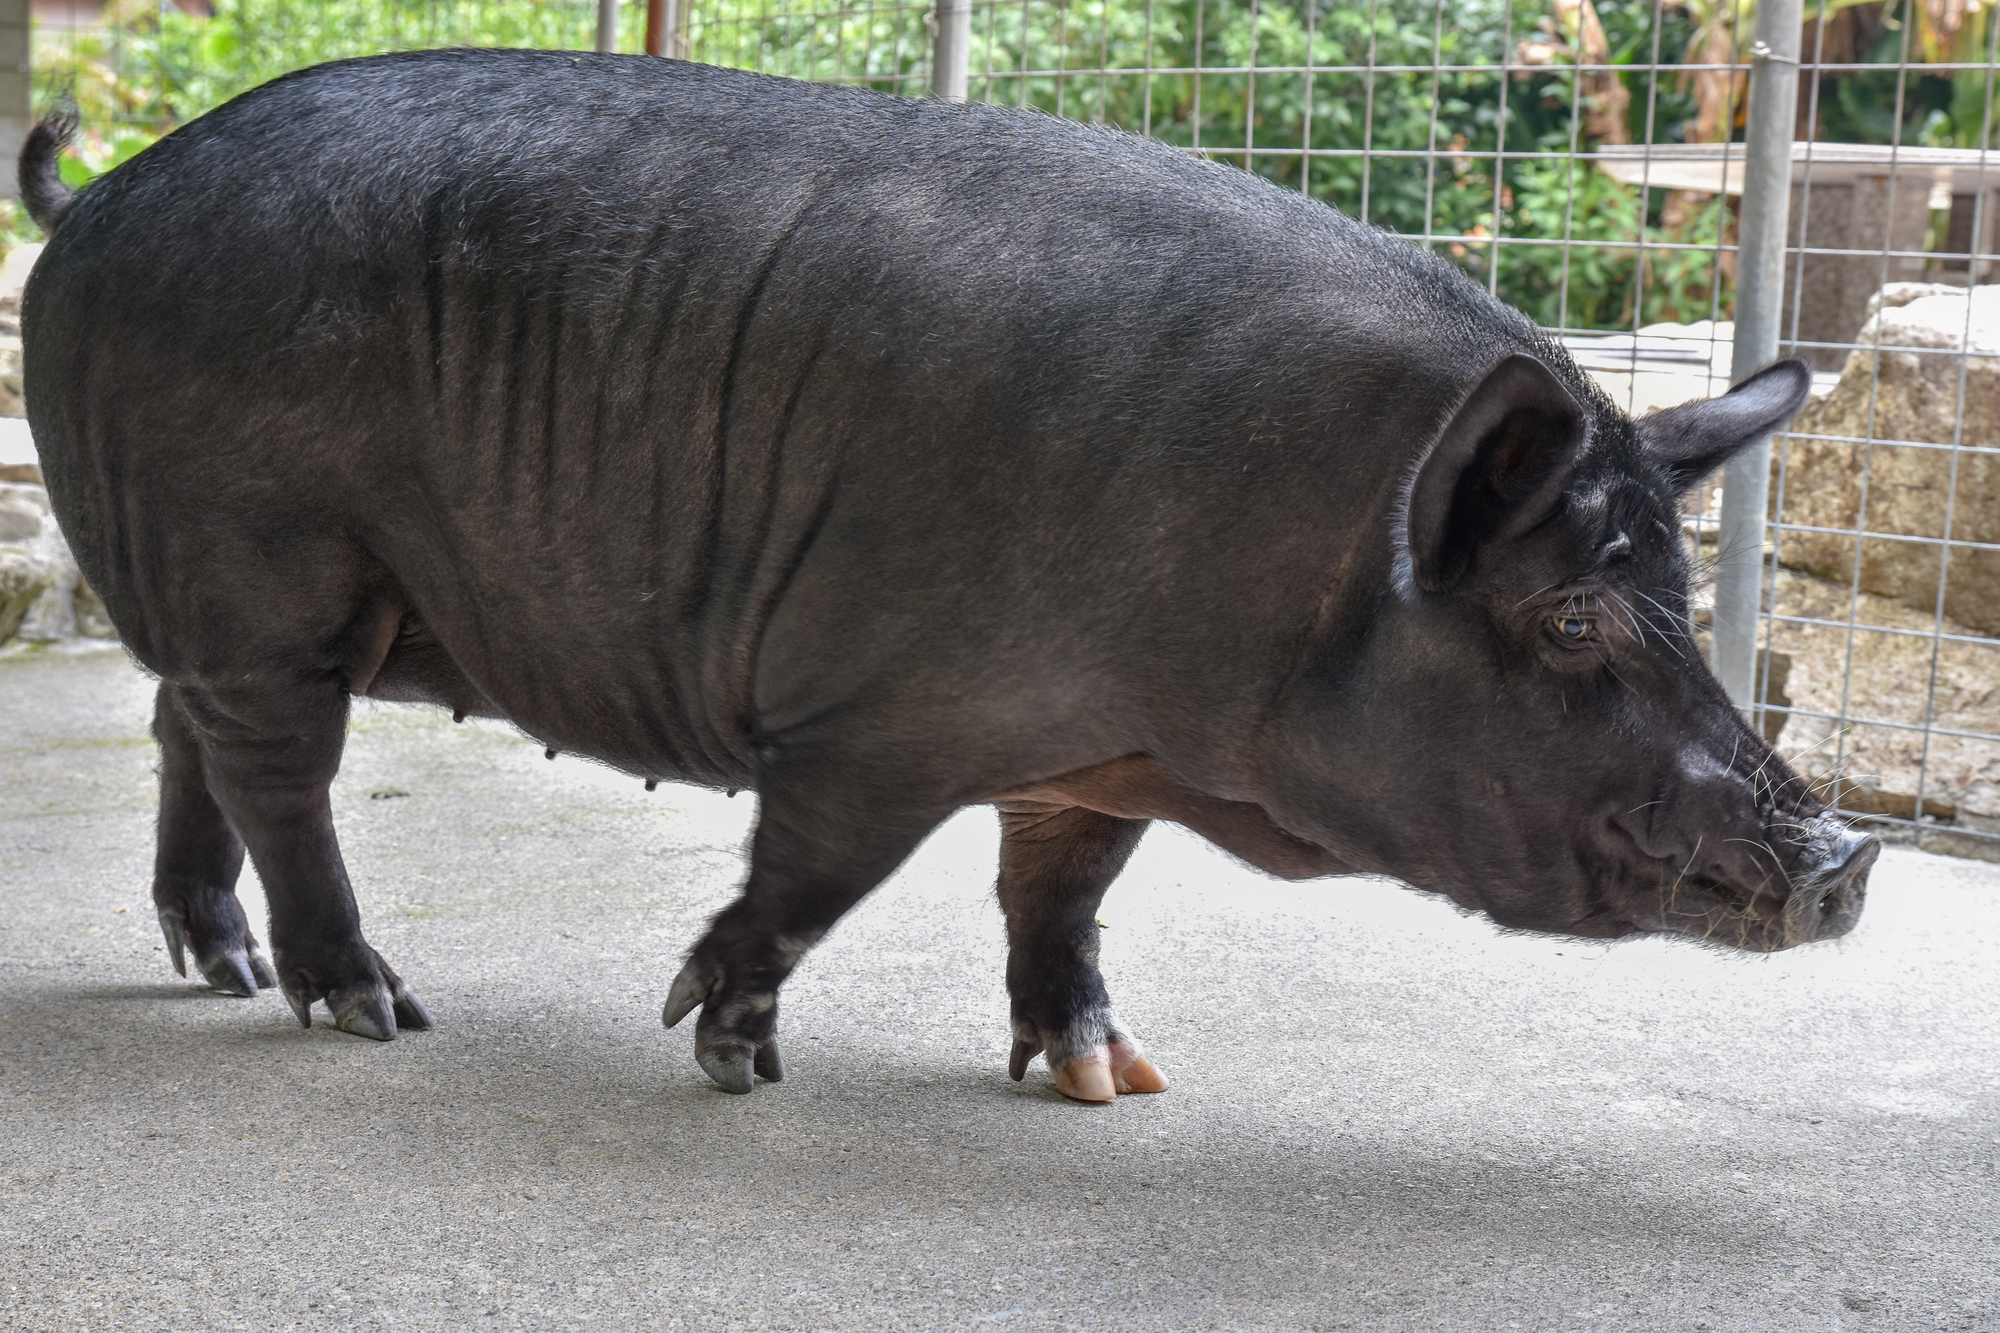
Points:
x=1819, y=897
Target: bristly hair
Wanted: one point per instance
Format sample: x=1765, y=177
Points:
x=42, y=188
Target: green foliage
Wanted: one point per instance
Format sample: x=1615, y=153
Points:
x=1618, y=258
x=150, y=66
x=95, y=155
x=1327, y=111
x=1318, y=96
x=1975, y=108
x=1914, y=105
x=16, y=227
x=887, y=48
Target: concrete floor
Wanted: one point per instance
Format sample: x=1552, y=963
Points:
x=1384, y=1116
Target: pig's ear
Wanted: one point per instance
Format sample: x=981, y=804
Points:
x=1497, y=470
x=1694, y=439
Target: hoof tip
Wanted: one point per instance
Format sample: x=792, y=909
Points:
x=1140, y=1076
x=730, y=1066
x=1101, y=1074
x=367, y=1016
x=231, y=974
x=1087, y=1079
x=176, y=943
x=689, y=990
x=411, y=1015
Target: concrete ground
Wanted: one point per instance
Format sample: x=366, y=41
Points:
x=1384, y=1116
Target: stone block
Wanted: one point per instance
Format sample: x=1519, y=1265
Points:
x=1870, y=213
x=43, y=595
x=13, y=278
x=1900, y=405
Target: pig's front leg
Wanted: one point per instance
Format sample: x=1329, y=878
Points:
x=827, y=833
x=1055, y=864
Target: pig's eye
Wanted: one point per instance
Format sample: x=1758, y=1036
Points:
x=1574, y=628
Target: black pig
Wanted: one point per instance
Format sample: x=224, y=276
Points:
x=884, y=456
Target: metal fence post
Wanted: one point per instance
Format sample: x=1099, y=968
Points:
x=16, y=91
x=607, y=25
x=1760, y=281
x=666, y=28
x=951, y=49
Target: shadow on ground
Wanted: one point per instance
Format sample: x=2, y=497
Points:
x=1383, y=1115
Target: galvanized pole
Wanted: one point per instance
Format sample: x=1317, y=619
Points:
x=951, y=49
x=607, y=25
x=677, y=28
x=664, y=21
x=1760, y=281
x=16, y=87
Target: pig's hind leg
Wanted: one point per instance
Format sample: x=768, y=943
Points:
x=195, y=866
x=1055, y=865
x=254, y=758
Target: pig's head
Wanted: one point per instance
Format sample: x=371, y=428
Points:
x=1527, y=724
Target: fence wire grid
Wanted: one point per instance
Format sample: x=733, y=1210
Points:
x=1583, y=160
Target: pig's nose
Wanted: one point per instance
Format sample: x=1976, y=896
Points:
x=1827, y=901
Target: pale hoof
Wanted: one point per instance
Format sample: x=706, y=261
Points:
x=1133, y=1072
x=1088, y=1079
x=1101, y=1074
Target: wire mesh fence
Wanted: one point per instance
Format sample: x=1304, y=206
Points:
x=1585, y=161
x=138, y=67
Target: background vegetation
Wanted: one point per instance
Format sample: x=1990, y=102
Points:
x=1478, y=157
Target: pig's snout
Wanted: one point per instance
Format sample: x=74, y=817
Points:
x=1830, y=883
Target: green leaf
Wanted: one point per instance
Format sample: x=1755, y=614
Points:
x=219, y=43
x=128, y=146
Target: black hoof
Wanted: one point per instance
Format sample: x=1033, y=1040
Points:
x=768, y=1064
x=372, y=1002
x=411, y=1016
x=1017, y=1060
x=176, y=943
x=231, y=974
x=378, y=1012
x=369, y=1014
x=691, y=989
x=225, y=952
x=731, y=1066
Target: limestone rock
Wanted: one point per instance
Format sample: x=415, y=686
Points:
x=92, y=620
x=22, y=509
x=1926, y=395
x=1863, y=692
x=13, y=393
x=23, y=579
x=43, y=596
x=13, y=278
x=51, y=617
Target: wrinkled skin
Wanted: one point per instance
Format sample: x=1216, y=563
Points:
x=885, y=457
x=1602, y=785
